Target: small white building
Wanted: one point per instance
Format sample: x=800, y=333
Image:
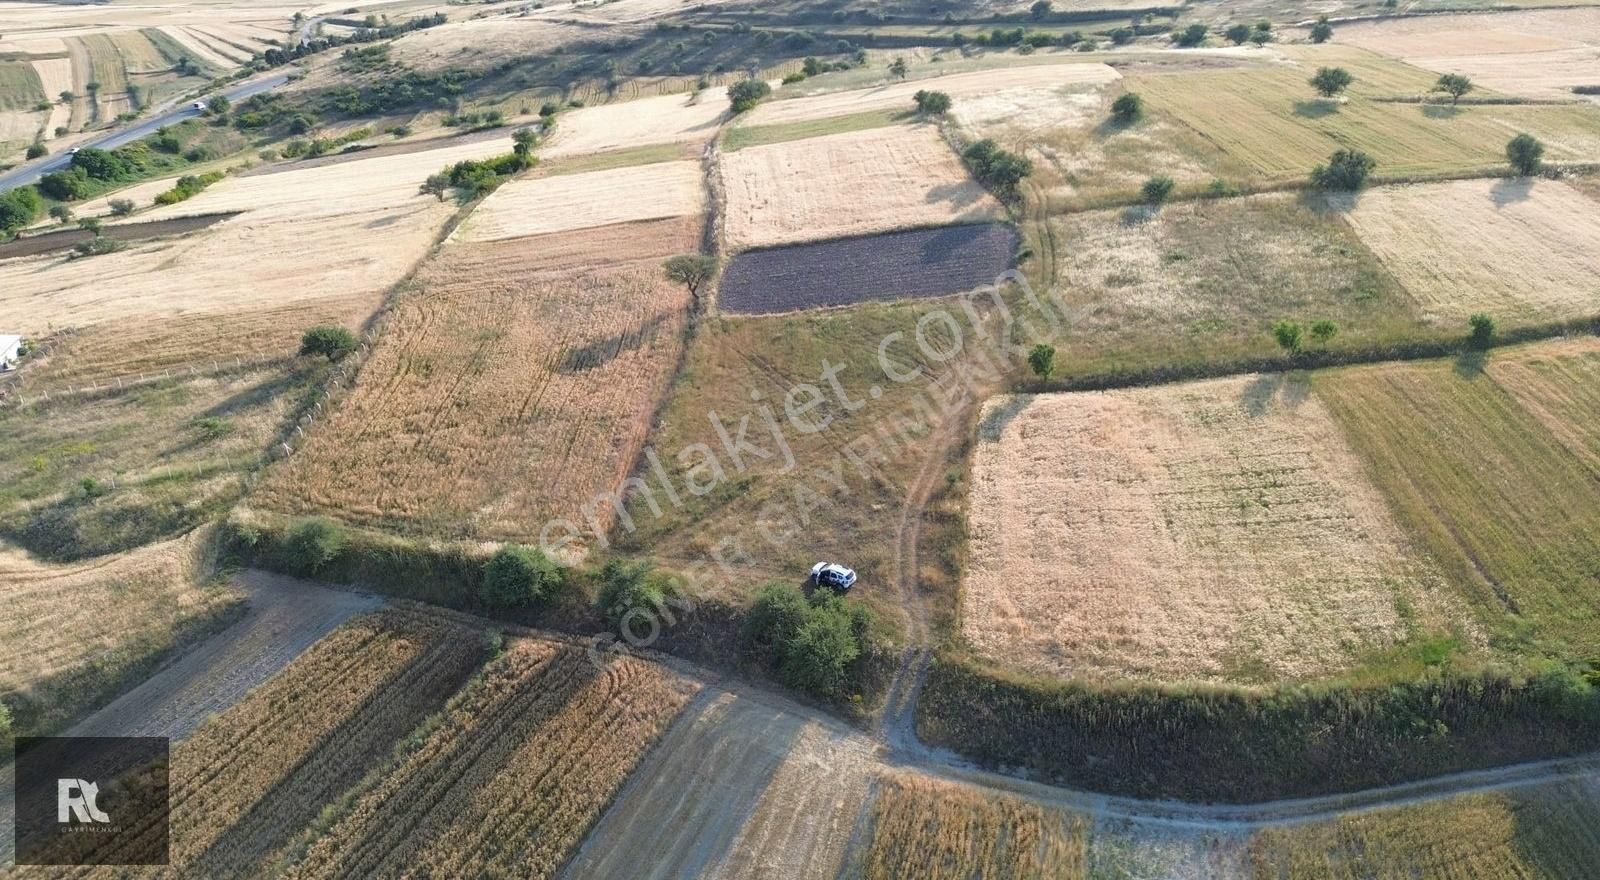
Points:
x=10, y=350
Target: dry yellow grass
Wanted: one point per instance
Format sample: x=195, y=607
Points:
x=959, y=86
x=58, y=618
x=688, y=119
x=848, y=184
x=498, y=396
x=518, y=768
x=935, y=830
x=1519, y=250
x=575, y=201
x=1531, y=53
x=1218, y=530
x=482, y=42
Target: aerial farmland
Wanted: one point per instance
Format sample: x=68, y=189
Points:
x=800, y=440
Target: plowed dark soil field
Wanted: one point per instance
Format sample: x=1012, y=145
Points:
x=895, y=265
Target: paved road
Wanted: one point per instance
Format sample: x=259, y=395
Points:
x=30, y=172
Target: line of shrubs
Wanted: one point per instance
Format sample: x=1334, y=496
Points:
x=1234, y=745
x=188, y=186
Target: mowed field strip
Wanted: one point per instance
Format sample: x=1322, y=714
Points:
x=1529, y=53
x=573, y=201
x=505, y=390
x=691, y=120
x=1219, y=530
x=848, y=184
x=958, y=86
x=1520, y=250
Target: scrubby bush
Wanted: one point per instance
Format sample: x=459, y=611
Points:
x=312, y=544
x=1157, y=189
x=121, y=207
x=634, y=594
x=1127, y=108
x=1482, y=330
x=96, y=247
x=19, y=208
x=66, y=186
x=188, y=186
x=1346, y=170
x=61, y=213
x=1238, y=34
x=812, y=645
x=36, y=149
x=1042, y=358
x=330, y=341
x=1321, y=32
x=1191, y=36
x=1000, y=169
x=746, y=94
x=519, y=577
x=1323, y=331
x=932, y=103
x=1290, y=335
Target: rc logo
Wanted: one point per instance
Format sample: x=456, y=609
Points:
x=75, y=799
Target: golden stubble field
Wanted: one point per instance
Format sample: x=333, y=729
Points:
x=876, y=180
x=502, y=393
x=1529, y=53
x=959, y=86
x=688, y=119
x=1522, y=251
x=539, y=205
x=1219, y=531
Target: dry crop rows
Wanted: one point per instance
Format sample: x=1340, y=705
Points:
x=935, y=830
x=518, y=768
x=1219, y=530
x=244, y=785
x=565, y=202
x=1519, y=249
x=499, y=397
x=848, y=184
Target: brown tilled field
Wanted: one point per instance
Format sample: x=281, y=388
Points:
x=513, y=774
x=935, y=830
x=1218, y=530
x=848, y=184
x=1523, y=251
x=501, y=395
x=245, y=785
x=565, y=202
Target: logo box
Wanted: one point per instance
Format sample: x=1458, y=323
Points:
x=91, y=800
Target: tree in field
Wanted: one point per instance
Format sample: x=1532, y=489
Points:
x=1482, y=330
x=436, y=185
x=1002, y=170
x=1321, y=32
x=1323, y=331
x=1346, y=170
x=692, y=271
x=1238, y=34
x=1290, y=335
x=747, y=93
x=1191, y=36
x=1330, y=81
x=1127, y=108
x=1261, y=34
x=898, y=68
x=1525, y=154
x=1040, y=9
x=61, y=214
x=330, y=341
x=932, y=103
x=1042, y=358
x=1455, y=85
x=519, y=577
x=1156, y=189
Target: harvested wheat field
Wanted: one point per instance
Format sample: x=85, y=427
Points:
x=1558, y=384
x=540, y=205
x=1523, y=251
x=959, y=86
x=691, y=120
x=481, y=43
x=740, y=787
x=499, y=396
x=935, y=830
x=245, y=785
x=64, y=625
x=848, y=184
x=1219, y=531
x=1541, y=832
x=512, y=775
x=1527, y=53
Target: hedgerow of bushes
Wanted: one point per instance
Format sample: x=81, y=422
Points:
x=1234, y=745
